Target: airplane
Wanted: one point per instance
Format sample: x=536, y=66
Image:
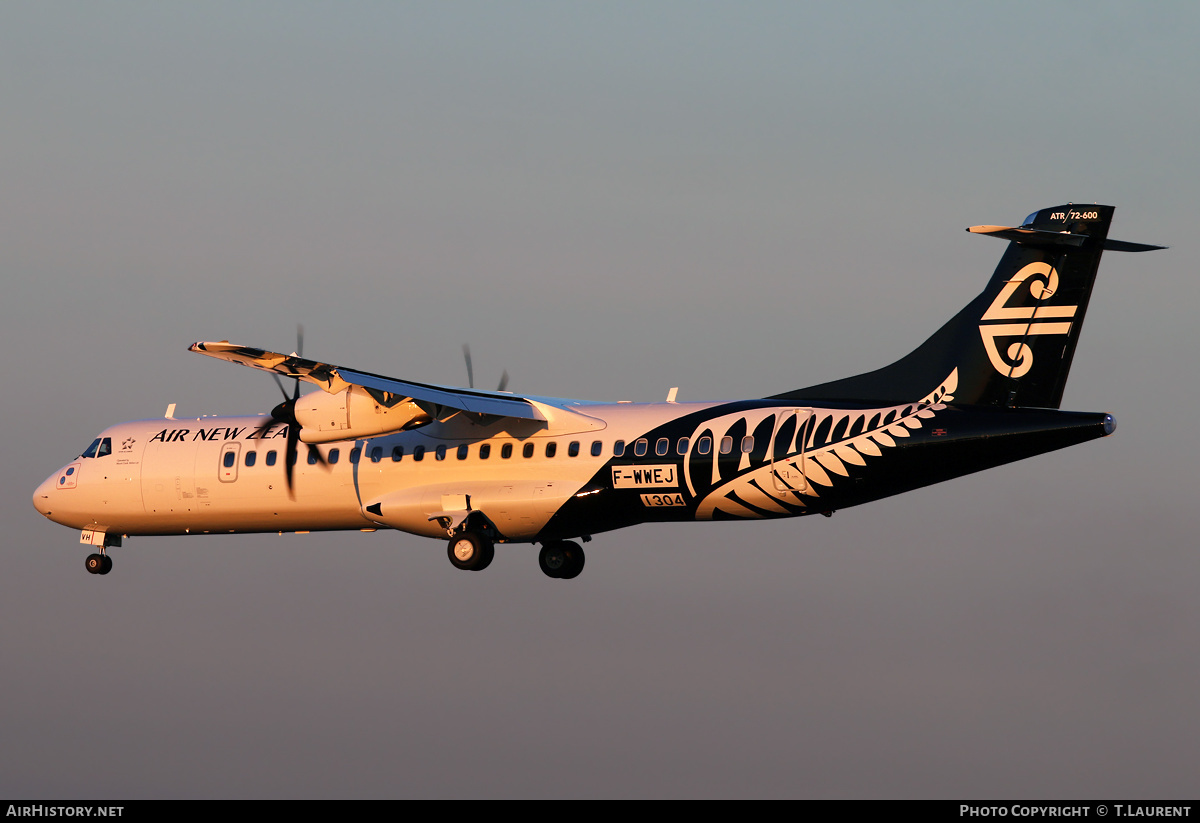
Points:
x=481, y=468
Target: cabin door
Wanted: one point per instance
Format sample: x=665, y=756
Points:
x=787, y=454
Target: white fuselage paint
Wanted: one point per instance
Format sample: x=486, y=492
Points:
x=168, y=476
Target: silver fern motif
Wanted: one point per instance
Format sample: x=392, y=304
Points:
x=822, y=443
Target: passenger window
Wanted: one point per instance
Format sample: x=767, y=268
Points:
x=271, y=458
x=251, y=457
x=704, y=445
x=440, y=452
x=527, y=450
x=747, y=444
x=573, y=449
x=726, y=445
x=333, y=456
x=551, y=449
x=397, y=454
x=376, y=454
x=506, y=451
x=313, y=454
x=682, y=446
x=618, y=448
x=485, y=451
x=597, y=447
x=355, y=454
x=230, y=457
x=418, y=453
x=462, y=451
x=640, y=446
x=661, y=446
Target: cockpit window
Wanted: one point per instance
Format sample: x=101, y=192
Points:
x=99, y=448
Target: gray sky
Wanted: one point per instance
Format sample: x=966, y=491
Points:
x=607, y=200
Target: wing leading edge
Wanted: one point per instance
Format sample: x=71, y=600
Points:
x=334, y=379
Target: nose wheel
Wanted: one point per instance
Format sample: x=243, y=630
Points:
x=561, y=559
x=98, y=564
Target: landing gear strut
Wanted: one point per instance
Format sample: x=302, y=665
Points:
x=98, y=564
x=561, y=559
x=470, y=551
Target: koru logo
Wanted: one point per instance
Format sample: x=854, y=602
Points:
x=1002, y=320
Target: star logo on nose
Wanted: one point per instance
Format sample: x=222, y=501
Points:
x=128, y=444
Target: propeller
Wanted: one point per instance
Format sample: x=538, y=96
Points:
x=471, y=371
x=285, y=412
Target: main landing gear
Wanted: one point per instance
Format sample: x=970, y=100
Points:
x=471, y=551
x=561, y=559
x=98, y=564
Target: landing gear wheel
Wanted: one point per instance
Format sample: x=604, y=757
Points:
x=107, y=567
x=561, y=559
x=575, y=560
x=95, y=564
x=470, y=551
x=487, y=556
x=552, y=559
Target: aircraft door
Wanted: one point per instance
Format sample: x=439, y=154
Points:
x=227, y=469
x=787, y=453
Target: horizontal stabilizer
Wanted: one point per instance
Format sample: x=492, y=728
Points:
x=1122, y=245
x=1047, y=239
x=1030, y=237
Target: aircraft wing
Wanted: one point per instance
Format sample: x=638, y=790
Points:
x=334, y=379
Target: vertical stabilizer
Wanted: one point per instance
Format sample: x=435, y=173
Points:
x=1013, y=344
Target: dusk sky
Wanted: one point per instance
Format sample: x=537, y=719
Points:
x=607, y=200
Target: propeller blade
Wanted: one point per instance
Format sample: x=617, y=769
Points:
x=279, y=383
x=285, y=412
x=470, y=369
x=289, y=459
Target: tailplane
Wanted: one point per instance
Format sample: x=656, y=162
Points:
x=1013, y=344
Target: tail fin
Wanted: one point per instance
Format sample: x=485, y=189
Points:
x=1013, y=344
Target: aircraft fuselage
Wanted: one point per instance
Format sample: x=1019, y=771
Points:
x=623, y=464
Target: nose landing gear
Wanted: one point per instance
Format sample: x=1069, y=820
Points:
x=98, y=564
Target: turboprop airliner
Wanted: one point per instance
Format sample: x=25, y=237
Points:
x=481, y=468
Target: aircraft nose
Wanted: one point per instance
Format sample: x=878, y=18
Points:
x=42, y=495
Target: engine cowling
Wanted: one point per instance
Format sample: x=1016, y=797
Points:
x=356, y=412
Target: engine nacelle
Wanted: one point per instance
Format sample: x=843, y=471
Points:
x=356, y=412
